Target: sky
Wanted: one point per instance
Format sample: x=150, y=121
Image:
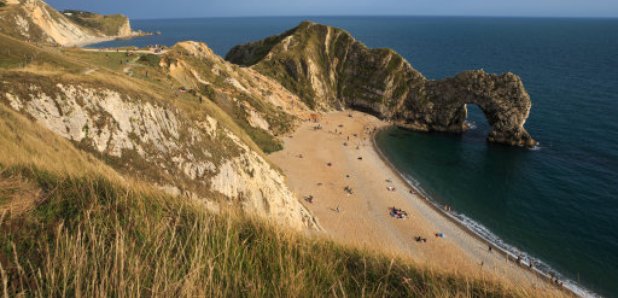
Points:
x=153, y=9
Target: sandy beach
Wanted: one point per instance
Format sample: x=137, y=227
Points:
x=322, y=163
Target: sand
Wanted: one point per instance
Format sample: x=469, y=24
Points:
x=362, y=218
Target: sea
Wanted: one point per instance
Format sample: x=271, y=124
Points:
x=557, y=204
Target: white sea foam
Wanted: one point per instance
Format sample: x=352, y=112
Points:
x=512, y=251
x=536, y=148
x=484, y=233
x=471, y=125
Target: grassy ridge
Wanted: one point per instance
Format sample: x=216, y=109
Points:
x=88, y=232
x=91, y=237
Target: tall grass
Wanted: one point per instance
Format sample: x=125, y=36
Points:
x=93, y=238
x=86, y=231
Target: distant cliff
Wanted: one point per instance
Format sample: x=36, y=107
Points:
x=35, y=21
x=328, y=68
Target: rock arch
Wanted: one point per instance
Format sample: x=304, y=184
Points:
x=502, y=98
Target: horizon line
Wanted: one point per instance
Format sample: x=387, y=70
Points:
x=379, y=16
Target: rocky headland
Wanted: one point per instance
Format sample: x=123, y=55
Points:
x=329, y=69
x=35, y=21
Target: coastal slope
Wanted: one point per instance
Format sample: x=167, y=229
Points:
x=145, y=171
x=69, y=223
x=145, y=127
x=36, y=21
x=329, y=69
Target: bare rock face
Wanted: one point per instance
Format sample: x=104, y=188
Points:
x=189, y=154
x=327, y=69
x=502, y=98
x=35, y=21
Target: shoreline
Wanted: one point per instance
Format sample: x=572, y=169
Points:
x=352, y=187
x=102, y=39
x=508, y=255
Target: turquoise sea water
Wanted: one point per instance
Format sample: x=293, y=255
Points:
x=558, y=203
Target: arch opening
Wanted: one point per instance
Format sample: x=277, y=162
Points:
x=476, y=119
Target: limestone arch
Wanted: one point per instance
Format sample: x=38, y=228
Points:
x=502, y=99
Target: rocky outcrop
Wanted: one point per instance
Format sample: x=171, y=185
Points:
x=327, y=68
x=35, y=21
x=502, y=98
x=189, y=154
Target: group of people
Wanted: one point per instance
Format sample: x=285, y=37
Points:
x=398, y=213
x=420, y=239
x=348, y=190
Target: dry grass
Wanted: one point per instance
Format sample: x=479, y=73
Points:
x=89, y=232
x=18, y=195
x=25, y=143
x=92, y=238
x=95, y=234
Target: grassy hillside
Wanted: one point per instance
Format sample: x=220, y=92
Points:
x=92, y=238
x=73, y=222
x=106, y=24
x=328, y=68
x=90, y=233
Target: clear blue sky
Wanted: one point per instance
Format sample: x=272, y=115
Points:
x=141, y=9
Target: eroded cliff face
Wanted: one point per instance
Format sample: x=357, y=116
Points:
x=190, y=154
x=262, y=101
x=35, y=21
x=263, y=107
x=124, y=30
x=327, y=68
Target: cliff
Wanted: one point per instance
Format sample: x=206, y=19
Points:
x=108, y=25
x=35, y=21
x=145, y=128
x=70, y=222
x=328, y=69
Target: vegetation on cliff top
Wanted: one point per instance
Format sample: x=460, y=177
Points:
x=36, y=21
x=107, y=24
